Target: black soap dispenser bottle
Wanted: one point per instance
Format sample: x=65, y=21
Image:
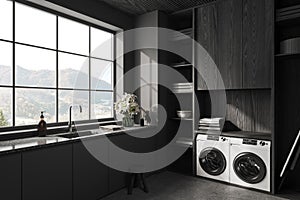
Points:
x=42, y=126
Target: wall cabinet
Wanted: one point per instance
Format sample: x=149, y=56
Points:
x=47, y=173
x=207, y=37
x=229, y=17
x=238, y=36
x=257, y=43
x=10, y=176
x=90, y=176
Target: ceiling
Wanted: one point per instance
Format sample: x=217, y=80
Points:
x=138, y=7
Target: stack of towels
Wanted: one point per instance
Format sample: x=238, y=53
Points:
x=183, y=87
x=210, y=125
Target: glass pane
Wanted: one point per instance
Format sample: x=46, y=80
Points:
x=35, y=27
x=6, y=63
x=102, y=74
x=75, y=98
x=6, y=23
x=5, y=107
x=35, y=66
x=102, y=105
x=73, y=36
x=73, y=71
x=30, y=103
x=101, y=44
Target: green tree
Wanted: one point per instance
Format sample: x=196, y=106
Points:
x=3, y=121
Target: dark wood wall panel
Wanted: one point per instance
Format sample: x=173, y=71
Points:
x=248, y=110
x=257, y=43
x=230, y=42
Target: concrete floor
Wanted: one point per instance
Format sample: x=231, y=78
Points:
x=173, y=186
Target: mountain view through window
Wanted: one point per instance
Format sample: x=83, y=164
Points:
x=51, y=64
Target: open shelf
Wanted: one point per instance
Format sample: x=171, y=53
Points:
x=186, y=142
x=287, y=55
x=182, y=65
x=182, y=119
x=175, y=92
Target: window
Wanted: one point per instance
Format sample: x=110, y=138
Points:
x=49, y=63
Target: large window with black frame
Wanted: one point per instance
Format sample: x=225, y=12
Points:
x=49, y=62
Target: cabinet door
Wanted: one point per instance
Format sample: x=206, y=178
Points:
x=207, y=37
x=10, y=176
x=230, y=43
x=117, y=179
x=47, y=173
x=257, y=43
x=90, y=175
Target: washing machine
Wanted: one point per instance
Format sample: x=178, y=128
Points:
x=213, y=157
x=250, y=163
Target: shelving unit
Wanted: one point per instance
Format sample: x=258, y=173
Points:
x=183, y=23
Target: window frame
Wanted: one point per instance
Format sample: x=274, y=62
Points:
x=57, y=124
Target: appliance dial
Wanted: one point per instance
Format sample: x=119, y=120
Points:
x=262, y=143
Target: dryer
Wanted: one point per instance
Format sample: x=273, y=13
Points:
x=213, y=157
x=250, y=163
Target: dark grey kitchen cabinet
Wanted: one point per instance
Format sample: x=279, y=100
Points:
x=10, y=176
x=207, y=36
x=47, y=173
x=229, y=29
x=90, y=176
x=219, y=31
x=257, y=43
x=117, y=179
x=238, y=35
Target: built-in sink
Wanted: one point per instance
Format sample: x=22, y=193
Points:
x=76, y=134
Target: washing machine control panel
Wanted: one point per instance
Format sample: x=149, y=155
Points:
x=217, y=138
x=250, y=141
x=255, y=142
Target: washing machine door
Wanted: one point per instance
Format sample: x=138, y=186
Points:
x=212, y=161
x=249, y=167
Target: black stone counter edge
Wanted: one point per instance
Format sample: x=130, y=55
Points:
x=74, y=140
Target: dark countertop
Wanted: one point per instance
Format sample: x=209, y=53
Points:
x=246, y=134
x=17, y=145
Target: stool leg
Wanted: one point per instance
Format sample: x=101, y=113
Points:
x=136, y=181
x=145, y=188
x=131, y=183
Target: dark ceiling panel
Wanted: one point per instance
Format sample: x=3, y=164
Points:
x=138, y=7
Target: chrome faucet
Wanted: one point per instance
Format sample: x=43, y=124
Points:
x=70, y=125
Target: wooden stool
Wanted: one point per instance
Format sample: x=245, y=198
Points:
x=137, y=180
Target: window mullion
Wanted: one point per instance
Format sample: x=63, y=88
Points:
x=90, y=75
x=13, y=69
x=57, y=70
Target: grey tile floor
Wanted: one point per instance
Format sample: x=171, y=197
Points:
x=173, y=186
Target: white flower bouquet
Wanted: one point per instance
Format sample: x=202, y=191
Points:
x=128, y=107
